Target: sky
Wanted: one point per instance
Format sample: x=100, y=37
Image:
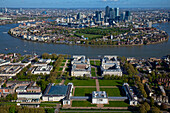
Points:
x=84, y=3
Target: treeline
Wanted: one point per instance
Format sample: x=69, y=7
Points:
x=15, y=109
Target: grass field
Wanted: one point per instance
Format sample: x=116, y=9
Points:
x=60, y=69
x=91, y=62
x=93, y=69
x=116, y=104
x=93, y=74
x=111, y=91
x=62, y=64
x=110, y=82
x=64, y=60
x=97, y=63
x=83, y=91
x=89, y=36
x=75, y=82
x=48, y=105
x=82, y=104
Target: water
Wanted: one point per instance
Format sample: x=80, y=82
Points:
x=19, y=46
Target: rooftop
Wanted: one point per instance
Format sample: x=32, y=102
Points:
x=57, y=90
x=99, y=94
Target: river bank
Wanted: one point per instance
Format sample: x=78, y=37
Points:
x=19, y=46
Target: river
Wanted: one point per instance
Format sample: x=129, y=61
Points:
x=27, y=47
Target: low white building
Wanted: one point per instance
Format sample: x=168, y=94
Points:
x=58, y=93
x=99, y=97
x=42, y=69
x=110, y=66
x=130, y=94
x=30, y=95
x=21, y=89
x=80, y=66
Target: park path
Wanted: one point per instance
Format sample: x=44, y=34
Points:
x=64, y=67
x=85, y=86
x=97, y=85
x=96, y=107
x=109, y=87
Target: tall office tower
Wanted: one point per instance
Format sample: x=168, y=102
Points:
x=6, y=10
x=116, y=12
x=112, y=13
x=79, y=16
x=127, y=15
x=107, y=11
x=123, y=16
x=98, y=15
x=20, y=10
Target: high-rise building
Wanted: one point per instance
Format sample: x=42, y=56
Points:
x=127, y=15
x=79, y=16
x=6, y=10
x=107, y=12
x=116, y=12
x=98, y=15
x=112, y=13
x=123, y=16
x=20, y=10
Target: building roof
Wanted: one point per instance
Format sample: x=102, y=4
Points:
x=99, y=94
x=57, y=90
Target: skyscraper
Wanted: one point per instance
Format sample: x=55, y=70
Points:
x=116, y=12
x=107, y=12
x=112, y=13
x=98, y=15
x=127, y=15
x=79, y=16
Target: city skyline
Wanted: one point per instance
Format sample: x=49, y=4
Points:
x=85, y=3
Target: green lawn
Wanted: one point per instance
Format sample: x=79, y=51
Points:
x=48, y=105
x=60, y=69
x=116, y=104
x=92, y=62
x=75, y=82
x=110, y=82
x=97, y=63
x=82, y=104
x=64, y=60
x=111, y=91
x=90, y=36
x=93, y=73
x=62, y=64
x=93, y=69
x=83, y=91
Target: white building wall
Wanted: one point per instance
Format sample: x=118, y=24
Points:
x=99, y=101
x=79, y=73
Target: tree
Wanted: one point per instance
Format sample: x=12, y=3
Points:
x=152, y=102
x=147, y=106
x=164, y=106
x=12, y=109
x=155, y=110
x=142, y=109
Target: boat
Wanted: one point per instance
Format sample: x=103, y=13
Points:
x=6, y=48
x=25, y=51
